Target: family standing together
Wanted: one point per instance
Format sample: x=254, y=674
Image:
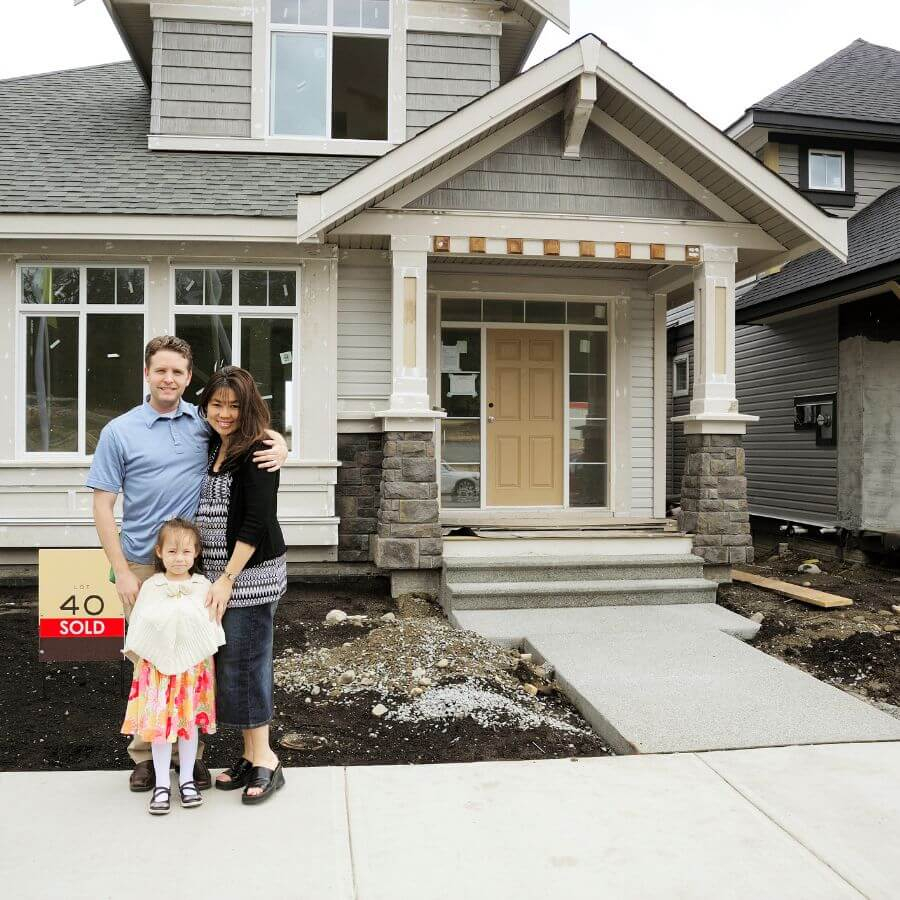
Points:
x=199, y=565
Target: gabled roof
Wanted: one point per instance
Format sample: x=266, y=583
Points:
x=874, y=243
x=76, y=142
x=862, y=81
x=672, y=131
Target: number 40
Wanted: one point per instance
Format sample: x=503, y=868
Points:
x=71, y=605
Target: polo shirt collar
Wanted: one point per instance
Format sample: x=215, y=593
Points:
x=151, y=415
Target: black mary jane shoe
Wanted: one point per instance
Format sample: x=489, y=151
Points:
x=270, y=780
x=190, y=794
x=159, y=802
x=239, y=773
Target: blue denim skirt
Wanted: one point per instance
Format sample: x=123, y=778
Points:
x=244, y=676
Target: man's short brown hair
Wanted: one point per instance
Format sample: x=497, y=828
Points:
x=168, y=342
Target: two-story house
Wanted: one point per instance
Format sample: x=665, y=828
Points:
x=448, y=276
x=818, y=341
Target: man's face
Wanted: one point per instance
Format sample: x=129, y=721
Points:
x=168, y=376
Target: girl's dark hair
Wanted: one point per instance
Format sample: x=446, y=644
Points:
x=176, y=525
x=254, y=413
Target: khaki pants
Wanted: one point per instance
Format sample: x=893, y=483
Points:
x=139, y=749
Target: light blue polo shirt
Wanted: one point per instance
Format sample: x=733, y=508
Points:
x=157, y=461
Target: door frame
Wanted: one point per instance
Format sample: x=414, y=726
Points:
x=610, y=300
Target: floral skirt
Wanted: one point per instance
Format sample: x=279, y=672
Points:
x=166, y=707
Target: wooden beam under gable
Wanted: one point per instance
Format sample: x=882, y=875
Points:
x=580, y=99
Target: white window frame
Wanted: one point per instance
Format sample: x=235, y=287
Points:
x=238, y=313
x=686, y=359
x=565, y=329
x=78, y=311
x=823, y=152
x=396, y=86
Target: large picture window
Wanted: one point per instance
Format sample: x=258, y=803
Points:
x=329, y=68
x=243, y=317
x=83, y=329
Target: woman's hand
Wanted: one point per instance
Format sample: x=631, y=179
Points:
x=218, y=597
x=272, y=459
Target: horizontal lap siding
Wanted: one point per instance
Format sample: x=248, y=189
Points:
x=641, y=407
x=201, y=78
x=445, y=72
x=788, y=164
x=530, y=175
x=788, y=476
x=364, y=331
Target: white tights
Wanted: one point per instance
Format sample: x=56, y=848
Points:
x=187, y=755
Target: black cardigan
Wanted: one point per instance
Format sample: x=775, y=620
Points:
x=252, y=507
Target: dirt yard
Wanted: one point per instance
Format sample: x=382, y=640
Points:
x=448, y=696
x=856, y=648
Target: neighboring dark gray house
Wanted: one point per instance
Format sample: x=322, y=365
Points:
x=818, y=342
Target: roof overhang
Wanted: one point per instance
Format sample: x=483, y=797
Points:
x=780, y=209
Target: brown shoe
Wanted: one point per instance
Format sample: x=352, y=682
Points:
x=202, y=777
x=142, y=777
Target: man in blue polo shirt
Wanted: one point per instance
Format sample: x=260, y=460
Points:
x=156, y=456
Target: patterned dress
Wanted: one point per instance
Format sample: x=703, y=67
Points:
x=166, y=707
x=256, y=585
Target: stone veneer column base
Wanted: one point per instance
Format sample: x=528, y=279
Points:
x=408, y=534
x=357, y=494
x=714, y=499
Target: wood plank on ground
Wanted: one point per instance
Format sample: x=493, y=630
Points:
x=795, y=591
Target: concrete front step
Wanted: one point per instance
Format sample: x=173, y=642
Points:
x=587, y=592
x=546, y=568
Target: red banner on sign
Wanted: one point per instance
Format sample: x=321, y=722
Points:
x=82, y=628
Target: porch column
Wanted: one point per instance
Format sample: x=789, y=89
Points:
x=714, y=486
x=408, y=538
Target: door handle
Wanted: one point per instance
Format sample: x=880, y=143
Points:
x=490, y=418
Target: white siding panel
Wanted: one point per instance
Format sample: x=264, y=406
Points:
x=641, y=349
x=364, y=331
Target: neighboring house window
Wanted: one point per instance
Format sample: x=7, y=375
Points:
x=83, y=332
x=329, y=68
x=827, y=170
x=244, y=317
x=681, y=375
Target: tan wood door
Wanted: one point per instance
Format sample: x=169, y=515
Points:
x=524, y=418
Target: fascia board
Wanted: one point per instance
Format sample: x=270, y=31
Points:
x=712, y=143
x=555, y=11
x=407, y=160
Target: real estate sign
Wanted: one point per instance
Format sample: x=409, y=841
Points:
x=80, y=614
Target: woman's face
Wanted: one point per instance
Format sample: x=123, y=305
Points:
x=223, y=412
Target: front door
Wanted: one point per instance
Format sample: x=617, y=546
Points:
x=524, y=418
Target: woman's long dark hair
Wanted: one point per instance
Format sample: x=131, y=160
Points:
x=254, y=413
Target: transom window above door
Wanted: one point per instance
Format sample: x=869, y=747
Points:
x=329, y=68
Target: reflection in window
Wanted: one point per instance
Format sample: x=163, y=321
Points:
x=115, y=358
x=299, y=64
x=43, y=284
x=210, y=340
x=266, y=352
x=461, y=430
x=115, y=285
x=588, y=417
x=51, y=384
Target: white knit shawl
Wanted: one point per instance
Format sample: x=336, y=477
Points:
x=170, y=624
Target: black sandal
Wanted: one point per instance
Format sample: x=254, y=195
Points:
x=159, y=802
x=192, y=798
x=239, y=773
x=270, y=780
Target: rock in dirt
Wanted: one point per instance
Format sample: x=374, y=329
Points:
x=525, y=657
x=347, y=677
x=809, y=569
x=378, y=710
x=806, y=584
x=443, y=663
x=896, y=608
x=757, y=617
x=529, y=689
x=389, y=617
x=294, y=740
x=335, y=617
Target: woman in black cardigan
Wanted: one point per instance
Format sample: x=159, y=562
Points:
x=244, y=558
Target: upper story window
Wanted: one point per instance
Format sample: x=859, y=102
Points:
x=329, y=68
x=827, y=170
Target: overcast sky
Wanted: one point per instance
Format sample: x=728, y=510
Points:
x=719, y=56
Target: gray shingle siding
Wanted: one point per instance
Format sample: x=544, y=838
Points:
x=76, y=142
x=445, y=72
x=201, y=78
x=530, y=175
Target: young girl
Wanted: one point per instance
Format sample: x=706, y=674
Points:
x=171, y=639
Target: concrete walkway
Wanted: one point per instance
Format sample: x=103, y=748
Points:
x=799, y=822
x=665, y=679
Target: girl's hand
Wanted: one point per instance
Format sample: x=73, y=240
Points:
x=218, y=597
